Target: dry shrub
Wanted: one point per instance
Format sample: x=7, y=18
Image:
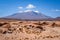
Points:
x=58, y=25
x=1, y=24
x=31, y=26
x=26, y=39
x=39, y=27
x=21, y=22
x=28, y=26
x=10, y=30
x=48, y=37
x=6, y=26
x=14, y=23
x=45, y=23
x=39, y=23
x=3, y=30
x=20, y=39
x=55, y=25
x=51, y=36
x=21, y=29
x=27, y=31
x=36, y=31
x=25, y=26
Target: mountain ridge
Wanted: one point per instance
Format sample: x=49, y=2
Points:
x=30, y=15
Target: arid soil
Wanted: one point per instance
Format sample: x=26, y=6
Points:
x=29, y=30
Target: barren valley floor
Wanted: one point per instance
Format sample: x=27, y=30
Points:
x=29, y=30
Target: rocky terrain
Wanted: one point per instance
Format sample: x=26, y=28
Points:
x=29, y=30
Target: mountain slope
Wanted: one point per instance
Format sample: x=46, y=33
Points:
x=29, y=16
x=57, y=18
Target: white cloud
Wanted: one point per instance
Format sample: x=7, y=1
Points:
x=30, y=6
x=56, y=10
x=36, y=11
x=20, y=7
x=27, y=10
x=31, y=10
x=21, y=11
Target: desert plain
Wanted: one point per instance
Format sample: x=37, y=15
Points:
x=29, y=30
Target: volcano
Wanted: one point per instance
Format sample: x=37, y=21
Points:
x=30, y=15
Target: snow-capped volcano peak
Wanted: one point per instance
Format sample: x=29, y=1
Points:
x=28, y=11
x=29, y=15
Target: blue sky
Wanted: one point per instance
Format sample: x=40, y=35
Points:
x=47, y=7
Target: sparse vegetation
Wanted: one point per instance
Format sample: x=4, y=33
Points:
x=39, y=27
x=53, y=24
x=26, y=39
x=45, y=23
x=29, y=30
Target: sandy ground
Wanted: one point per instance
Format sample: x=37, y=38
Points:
x=29, y=30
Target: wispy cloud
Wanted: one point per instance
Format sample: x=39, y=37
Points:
x=21, y=11
x=30, y=6
x=20, y=7
x=27, y=10
x=36, y=11
x=56, y=10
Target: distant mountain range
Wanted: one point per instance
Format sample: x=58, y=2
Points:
x=30, y=15
x=57, y=18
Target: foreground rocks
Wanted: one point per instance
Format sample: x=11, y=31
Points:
x=30, y=30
